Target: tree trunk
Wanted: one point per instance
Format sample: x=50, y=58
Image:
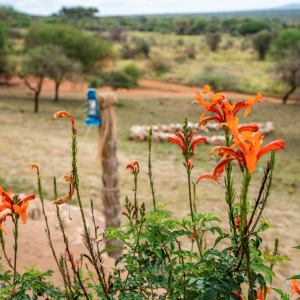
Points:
x=293, y=87
x=107, y=149
x=56, y=91
x=36, y=101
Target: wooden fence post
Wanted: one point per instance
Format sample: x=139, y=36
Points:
x=107, y=152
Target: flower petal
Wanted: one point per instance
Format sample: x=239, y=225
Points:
x=179, y=143
x=252, y=128
x=273, y=146
x=197, y=141
x=208, y=176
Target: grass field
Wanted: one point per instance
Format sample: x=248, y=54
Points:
x=27, y=137
x=236, y=62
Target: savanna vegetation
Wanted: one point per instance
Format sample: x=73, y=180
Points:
x=258, y=53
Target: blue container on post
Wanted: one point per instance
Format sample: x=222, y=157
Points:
x=92, y=109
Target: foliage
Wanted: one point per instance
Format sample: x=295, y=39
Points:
x=253, y=26
x=197, y=26
x=143, y=47
x=119, y=79
x=160, y=64
x=181, y=26
x=77, y=45
x=132, y=71
x=3, y=37
x=95, y=82
x=213, y=40
x=288, y=42
x=78, y=12
x=262, y=43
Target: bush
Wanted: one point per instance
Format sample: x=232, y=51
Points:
x=197, y=27
x=253, y=26
x=288, y=42
x=160, y=64
x=3, y=37
x=191, y=55
x=213, y=40
x=119, y=79
x=132, y=71
x=262, y=43
x=181, y=26
x=143, y=47
x=127, y=52
x=95, y=82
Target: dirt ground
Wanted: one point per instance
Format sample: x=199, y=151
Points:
x=147, y=88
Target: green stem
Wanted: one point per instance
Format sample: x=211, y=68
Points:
x=69, y=254
x=230, y=193
x=135, y=196
x=60, y=265
x=2, y=241
x=150, y=168
x=76, y=183
x=16, y=235
x=192, y=213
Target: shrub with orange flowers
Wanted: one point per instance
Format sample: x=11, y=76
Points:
x=154, y=258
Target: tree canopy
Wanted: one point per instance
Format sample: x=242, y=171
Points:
x=78, y=45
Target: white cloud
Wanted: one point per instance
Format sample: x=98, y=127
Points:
x=129, y=7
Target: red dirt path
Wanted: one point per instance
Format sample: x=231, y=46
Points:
x=148, y=88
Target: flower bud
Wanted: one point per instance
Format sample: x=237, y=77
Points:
x=189, y=163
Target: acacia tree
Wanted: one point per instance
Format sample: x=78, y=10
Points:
x=60, y=66
x=36, y=64
x=288, y=55
x=262, y=43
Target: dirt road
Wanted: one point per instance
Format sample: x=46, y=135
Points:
x=148, y=88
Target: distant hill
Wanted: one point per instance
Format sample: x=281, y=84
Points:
x=288, y=6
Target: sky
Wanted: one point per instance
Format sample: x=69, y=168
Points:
x=140, y=7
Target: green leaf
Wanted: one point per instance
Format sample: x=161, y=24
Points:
x=158, y=252
x=294, y=277
x=262, y=268
x=280, y=292
x=297, y=247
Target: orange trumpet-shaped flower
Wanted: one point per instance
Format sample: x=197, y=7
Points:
x=250, y=145
x=237, y=294
x=295, y=287
x=32, y=166
x=197, y=141
x=22, y=210
x=71, y=255
x=28, y=198
x=220, y=168
x=250, y=103
x=134, y=167
x=252, y=128
x=178, y=142
x=180, y=135
x=3, y=219
x=5, y=196
x=61, y=114
x=261, y=295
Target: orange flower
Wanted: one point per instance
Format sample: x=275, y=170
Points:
x=193, y=231
x=238, y=221
x=22, y=210
x=250, y=145
x=218, y=170
x=3, y=219
x=295, y=287
x=177, y=142
x=197, y=141
x=61, y=114
x=261, y=295
x=31, y=166
x=5, y=197
x=250, y=103
x=71, y=181
x=73, y=261
x=252, y=128
x=134, y=167
x=189, y=163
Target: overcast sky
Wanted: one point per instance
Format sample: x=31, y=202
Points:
x=130, y=7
